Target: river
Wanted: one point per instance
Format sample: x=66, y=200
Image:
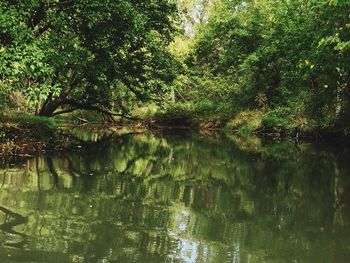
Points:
x=178, y=198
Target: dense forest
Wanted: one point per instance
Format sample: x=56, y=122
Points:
x=250, y=65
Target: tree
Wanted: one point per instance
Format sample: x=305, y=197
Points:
x=96, y=55
x=280, y=54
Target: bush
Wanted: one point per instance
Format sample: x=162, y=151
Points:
x=280, y=118
x=145, y=112
x=245, y=122
x=179, y=113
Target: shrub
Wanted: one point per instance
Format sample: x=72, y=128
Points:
x=279, y=118
x=245, y=122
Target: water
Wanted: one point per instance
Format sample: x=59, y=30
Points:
x=177, y=198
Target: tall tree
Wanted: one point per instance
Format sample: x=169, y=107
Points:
x=280, y=54
x=99, y=55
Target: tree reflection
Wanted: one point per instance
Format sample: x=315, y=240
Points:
x=13, y=238
x=182, y=198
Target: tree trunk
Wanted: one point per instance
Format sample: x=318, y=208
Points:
x=49, y=108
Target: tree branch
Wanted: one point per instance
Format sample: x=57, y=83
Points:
x=84, y=106
x=64, y=111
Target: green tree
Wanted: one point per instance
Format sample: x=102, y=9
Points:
x=278, y=54
x=86, y=54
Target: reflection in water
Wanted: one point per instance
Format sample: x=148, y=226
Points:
x=16, y=239
x=172, y=198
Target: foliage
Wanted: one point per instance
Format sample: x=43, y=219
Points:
x=245, y=122
x=86, y=54
x=288, y=60
x=287, y=57
x=146, y=112
x=30, y=119
x=279, y=117
x=180, y=114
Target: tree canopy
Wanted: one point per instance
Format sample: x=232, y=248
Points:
x=86, y=54
x=287, y=59
x=286, y=62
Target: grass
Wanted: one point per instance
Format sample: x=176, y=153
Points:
x=146, y=112
x=245, y=122
x=26, y=129
x=29, y=119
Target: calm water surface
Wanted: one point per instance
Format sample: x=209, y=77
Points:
x=177, y=198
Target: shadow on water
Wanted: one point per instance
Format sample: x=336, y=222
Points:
x=179, y=198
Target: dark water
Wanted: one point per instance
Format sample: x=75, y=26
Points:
x=178, y=198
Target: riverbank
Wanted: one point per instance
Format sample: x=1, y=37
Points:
x=270, y=124
x=25, y=135
x=28, y=135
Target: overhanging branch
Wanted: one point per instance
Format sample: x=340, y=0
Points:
x=75, y=105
